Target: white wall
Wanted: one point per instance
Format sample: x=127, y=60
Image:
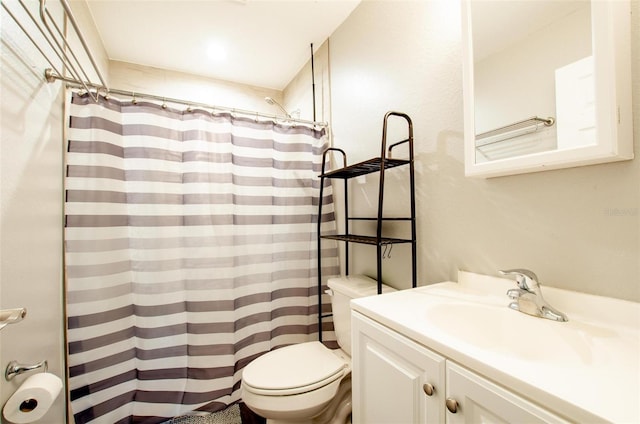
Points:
x=31, y=215
x=576, y=228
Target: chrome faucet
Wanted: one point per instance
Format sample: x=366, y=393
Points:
x=528, y=298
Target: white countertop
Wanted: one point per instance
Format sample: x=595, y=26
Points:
x=586, y=369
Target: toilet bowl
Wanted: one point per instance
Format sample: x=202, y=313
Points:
x=308, y=382
x=294, y=383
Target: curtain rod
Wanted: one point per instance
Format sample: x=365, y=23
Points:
x=51, y=76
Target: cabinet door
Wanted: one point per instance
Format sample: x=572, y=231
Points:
x=392, y=377
x=481, y=401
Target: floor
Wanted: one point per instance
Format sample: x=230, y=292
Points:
x=235, y=414
x=231, y=415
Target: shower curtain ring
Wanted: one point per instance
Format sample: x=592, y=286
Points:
x=164, y=104
x=134, y=100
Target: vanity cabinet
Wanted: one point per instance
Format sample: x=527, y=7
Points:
x=396, y=380
x=478, y=400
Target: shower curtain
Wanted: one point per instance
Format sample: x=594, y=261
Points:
x=190, y=249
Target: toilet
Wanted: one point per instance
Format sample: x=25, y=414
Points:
x=308, y=383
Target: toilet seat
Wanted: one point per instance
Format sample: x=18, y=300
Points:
x=293, y=370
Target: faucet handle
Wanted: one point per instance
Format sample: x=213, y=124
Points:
x=525, y=279
x=514, y=294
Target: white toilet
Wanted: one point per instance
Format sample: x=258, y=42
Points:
x=307, y=382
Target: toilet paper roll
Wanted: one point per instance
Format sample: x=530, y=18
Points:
x=33, y=398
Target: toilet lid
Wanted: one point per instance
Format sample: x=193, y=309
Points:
x=292, y=367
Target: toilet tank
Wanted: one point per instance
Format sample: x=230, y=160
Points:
x=342, y=290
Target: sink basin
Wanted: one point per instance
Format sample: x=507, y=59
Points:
x=515, y=334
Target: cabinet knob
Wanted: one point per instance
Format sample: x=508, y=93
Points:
x=428, y=389
x=452, y=405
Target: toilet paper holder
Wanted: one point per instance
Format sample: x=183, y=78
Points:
x=14, y=368
x=11, y=316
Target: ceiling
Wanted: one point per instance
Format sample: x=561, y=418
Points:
x=262, y=43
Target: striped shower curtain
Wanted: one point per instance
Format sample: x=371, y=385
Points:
x=190, y=249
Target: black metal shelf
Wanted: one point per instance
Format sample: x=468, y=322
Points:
x=398, y=218
x=363, y=168
x=379, y=164
x=354, y=238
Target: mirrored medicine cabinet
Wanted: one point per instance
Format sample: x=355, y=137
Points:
x=547, y=84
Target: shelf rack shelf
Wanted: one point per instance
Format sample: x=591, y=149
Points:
x=380, y=165
x=364, y=168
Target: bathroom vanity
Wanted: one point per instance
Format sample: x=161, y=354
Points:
x=455, y=353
